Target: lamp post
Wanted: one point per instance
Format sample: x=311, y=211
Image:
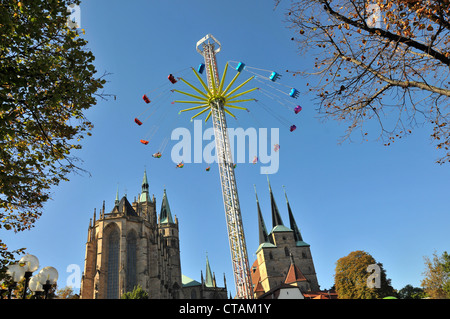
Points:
x=30, y=264
x=36, y=286
x=17, y=273
x=48, y=276
x=39, y=283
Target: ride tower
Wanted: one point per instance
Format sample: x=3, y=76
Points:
x=217, y=100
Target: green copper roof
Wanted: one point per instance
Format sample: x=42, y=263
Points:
x=144, y=197
x=265, y=245
x=189, y=282
x=165, y=215
x=301, y=243
x=209, y=278
x=280, y=228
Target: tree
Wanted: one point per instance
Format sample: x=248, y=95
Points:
x=410, y=292
x=353, y=277
x=436, y=283
x=380, y=65
x=47, y=83
x=66, y=293
x=137, y=293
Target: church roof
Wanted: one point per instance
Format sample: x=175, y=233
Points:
x=189, y=282
x=294, y=274
x=209, y=282
x=276, y=217
x=263, y=236
x=165, y=215
x=124, y=207
x=145, y=196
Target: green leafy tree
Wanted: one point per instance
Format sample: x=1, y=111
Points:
x=436, y=282
x=47, y=82
x=410, y=292
x=352, y=279
x=137, y=293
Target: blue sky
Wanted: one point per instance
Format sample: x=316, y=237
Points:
x=391, y=202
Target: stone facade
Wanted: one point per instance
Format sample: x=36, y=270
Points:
x=131, y=246
x=282, y=258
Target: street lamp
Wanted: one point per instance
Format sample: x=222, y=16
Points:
x=39, y=283
x=36, y=286
x=48, y=276
x=30, y=264
x=16, y=272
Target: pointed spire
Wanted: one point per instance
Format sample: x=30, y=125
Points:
x=116, y=202
x=263, y=235
x=209, y=281
x=276, y=218
x=293, y=225
x=145, y=182
x=165, y=215
x=144, y=196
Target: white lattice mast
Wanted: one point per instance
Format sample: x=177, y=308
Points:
x=208, y=47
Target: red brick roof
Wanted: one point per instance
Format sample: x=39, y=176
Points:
x=294, y=275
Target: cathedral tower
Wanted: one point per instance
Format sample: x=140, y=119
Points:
x=128, y=247
x=282, y=254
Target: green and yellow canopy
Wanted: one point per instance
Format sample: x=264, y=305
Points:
x=205, y=100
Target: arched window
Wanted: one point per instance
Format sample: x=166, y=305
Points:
x=112, y=285
x=286, y=251
x=131, y=261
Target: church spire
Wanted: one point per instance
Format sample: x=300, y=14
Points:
x=293, y=225
x=165, y=215
x=116, y=202
x=263, y=236
x=276, y=218
x=209, y=282
x=144, y=197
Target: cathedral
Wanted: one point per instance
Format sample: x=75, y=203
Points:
x=133, y=246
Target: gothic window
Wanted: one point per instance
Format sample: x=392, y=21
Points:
x=193, y=294
x=270, y=255
x=303, y=254
x=112, y=286
x=131, y=261
x=286, y=251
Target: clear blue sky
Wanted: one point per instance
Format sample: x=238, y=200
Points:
x=389, y=201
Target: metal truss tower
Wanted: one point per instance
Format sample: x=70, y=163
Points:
x=208, y=47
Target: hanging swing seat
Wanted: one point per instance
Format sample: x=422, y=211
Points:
x=201, y=68
x=274, y=76
x=297, y=109
x=208, y=168
x=157, y=155
x=294, y=93
x=137, y=121
x=293, y=128
x=180, y=165
x=144, y=142
x=172, y=79
x=146, y=99
x=240, y=67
